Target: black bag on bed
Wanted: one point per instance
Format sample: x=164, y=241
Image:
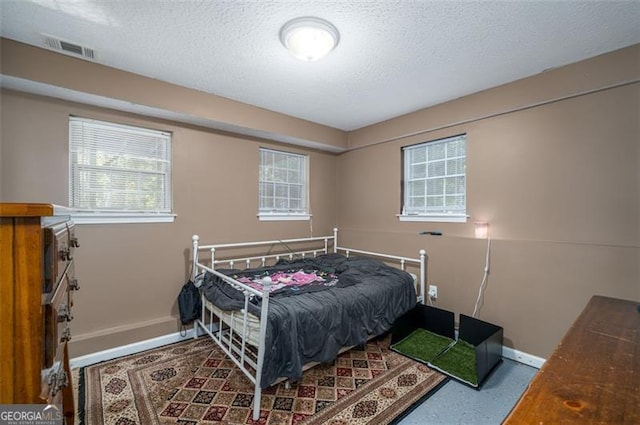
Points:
x=189, y=303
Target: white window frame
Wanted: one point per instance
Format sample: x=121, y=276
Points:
x=302, y=169
x=443, y=214
x=83, y=214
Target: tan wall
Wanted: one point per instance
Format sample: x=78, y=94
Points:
x=559, y=183
x=130, y=274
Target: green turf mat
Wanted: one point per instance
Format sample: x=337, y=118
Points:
x=422, y=345
x=459, y=361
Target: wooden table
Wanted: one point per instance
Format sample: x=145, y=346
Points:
x=593, y=376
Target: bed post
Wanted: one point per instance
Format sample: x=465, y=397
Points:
x=423, y=275
x=194, y=272
x=335, y=240
x=194, y=267
x=261, y=347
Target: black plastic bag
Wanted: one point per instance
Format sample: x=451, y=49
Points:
x=189, y=303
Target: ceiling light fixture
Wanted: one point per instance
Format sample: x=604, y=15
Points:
x=309, y=38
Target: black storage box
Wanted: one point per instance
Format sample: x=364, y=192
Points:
x=486, y=338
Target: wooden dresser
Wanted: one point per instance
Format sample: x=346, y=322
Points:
x=593, y=377
x=36, y=286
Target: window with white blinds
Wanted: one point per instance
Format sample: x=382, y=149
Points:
x=435, y=180
x=283, y=186
x=118, y=169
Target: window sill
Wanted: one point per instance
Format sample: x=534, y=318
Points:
x=284, y=217
x=115, y=218
x=435, y=218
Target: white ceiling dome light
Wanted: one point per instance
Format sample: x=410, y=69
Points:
x=309, y=38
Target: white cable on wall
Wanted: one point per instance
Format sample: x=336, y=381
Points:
x=484, y=279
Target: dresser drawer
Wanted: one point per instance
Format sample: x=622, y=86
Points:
x=59, y=247
x=57, y=315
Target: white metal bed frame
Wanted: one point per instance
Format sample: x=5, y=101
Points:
x=248, y=358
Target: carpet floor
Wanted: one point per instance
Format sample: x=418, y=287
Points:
x=192, y=382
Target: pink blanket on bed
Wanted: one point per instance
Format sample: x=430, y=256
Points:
x=284, y=279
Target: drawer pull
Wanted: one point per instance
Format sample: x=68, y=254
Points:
x=65, y=254
x=73, y=285
x=66, y=335
x=57, y=381
x=64, y=314
x=75, y=243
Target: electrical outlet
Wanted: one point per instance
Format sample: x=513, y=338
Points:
x=433, y=291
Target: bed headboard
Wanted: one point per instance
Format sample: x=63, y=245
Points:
x=291, y=247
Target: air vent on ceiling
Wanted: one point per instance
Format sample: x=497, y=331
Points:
x=68, y=47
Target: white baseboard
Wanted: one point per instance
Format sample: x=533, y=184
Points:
x=129, y=349
x=522, y=357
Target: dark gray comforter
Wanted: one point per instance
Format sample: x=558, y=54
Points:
x=314, y=324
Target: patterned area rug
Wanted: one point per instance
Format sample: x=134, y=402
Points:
x=192, y=382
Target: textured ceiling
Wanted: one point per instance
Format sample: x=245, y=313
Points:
x=394, y=57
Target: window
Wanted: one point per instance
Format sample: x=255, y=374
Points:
x=118, y=173
x=283, y=186
x=434, y=187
